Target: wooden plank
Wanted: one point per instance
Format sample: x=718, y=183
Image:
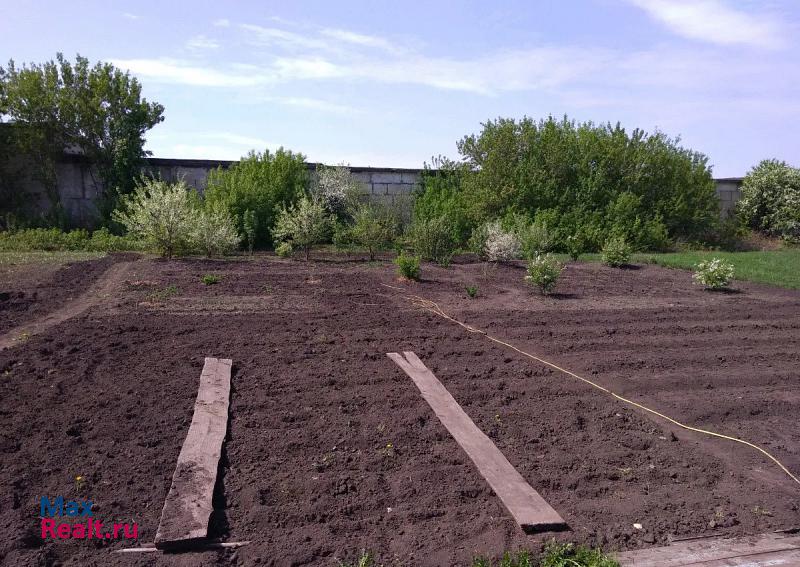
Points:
x=714, y=550
x=527, y=507
x=187, y=509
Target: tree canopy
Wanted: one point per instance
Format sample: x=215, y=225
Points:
x=59, y=107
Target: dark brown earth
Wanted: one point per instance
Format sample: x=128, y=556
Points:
x=27, y=294
x=308, y=475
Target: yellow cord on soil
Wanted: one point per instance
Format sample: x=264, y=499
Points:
x=433, y=307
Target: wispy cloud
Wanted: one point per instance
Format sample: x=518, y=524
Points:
x=222, y=23
x=359, y=39
x=181, y=72
x=209, y=145
x=282, y=56
x=130, y=16
x=715, y=22
x=201, y=42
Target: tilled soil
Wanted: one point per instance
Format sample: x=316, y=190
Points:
x=41, y=291
x=331, y=448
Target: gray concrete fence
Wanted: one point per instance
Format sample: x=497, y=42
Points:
x=78, y=187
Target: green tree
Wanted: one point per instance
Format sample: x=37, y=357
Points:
x=304, y=224
x=97, y=111
x=262, y=183
x=579, y=177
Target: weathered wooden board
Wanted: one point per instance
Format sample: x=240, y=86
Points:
x=526, y=506
x=187, y=509
x=754, y=551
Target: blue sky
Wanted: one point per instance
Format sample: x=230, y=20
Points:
x=393, y=83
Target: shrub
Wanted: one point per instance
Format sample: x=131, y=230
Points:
x=576, y=245
x=342, y=237
x=500, y=245
x=373, y=228
x=714, y=274
x=440, y=195
x=432, y=239
x=616, y=252
x=284, y=250
x=770, y=200
x=534, y=237
x=407, y=266
x=250, y=228
x=472, y=291
x=261, y=182
x=53, y=239
x=544, y=271
x=160, y=213
x=304, y=224
x=213, y=232
x=579, y=170
x=210, y=279
x=337, y=190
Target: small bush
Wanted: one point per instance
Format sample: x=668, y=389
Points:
x=304, y=224
x=714, y=274
x=616, y=252
x=213, y=232
x=534, y=237
x=374, y=228
x=55, y=240
x=260, y=182
x=160, y=213
x=543, y=272
x=500, y=245
x=576, y=245
x=337, y=190
x=210, y=279
x=284, y=250
x=472, y=291
x=770, y=200
x=432, y=239
x=407, y=266
x=250, y=228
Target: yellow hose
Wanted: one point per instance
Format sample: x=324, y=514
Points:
x=433, y=307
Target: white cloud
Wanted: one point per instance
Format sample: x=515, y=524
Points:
x=201, y=42
x=222, y=23
x=130, y=16
x=181, y=72
x=361, y=39
x=715, y=22
x=207, y=145
x=275, y=37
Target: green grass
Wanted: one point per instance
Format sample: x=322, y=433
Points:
x=40, y=257
x=775, y=267
x=554, y=555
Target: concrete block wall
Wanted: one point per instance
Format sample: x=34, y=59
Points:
x=79, y=188
x=729, y=190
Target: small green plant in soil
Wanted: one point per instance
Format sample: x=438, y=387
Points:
x=570, y=555
x=210, y=279
x=407, y=266
x=284, y=250
x=364, y=560
x=544, y=271
x=616, y=252
x=714, y=274
x=163, y=294
x=472, y=291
